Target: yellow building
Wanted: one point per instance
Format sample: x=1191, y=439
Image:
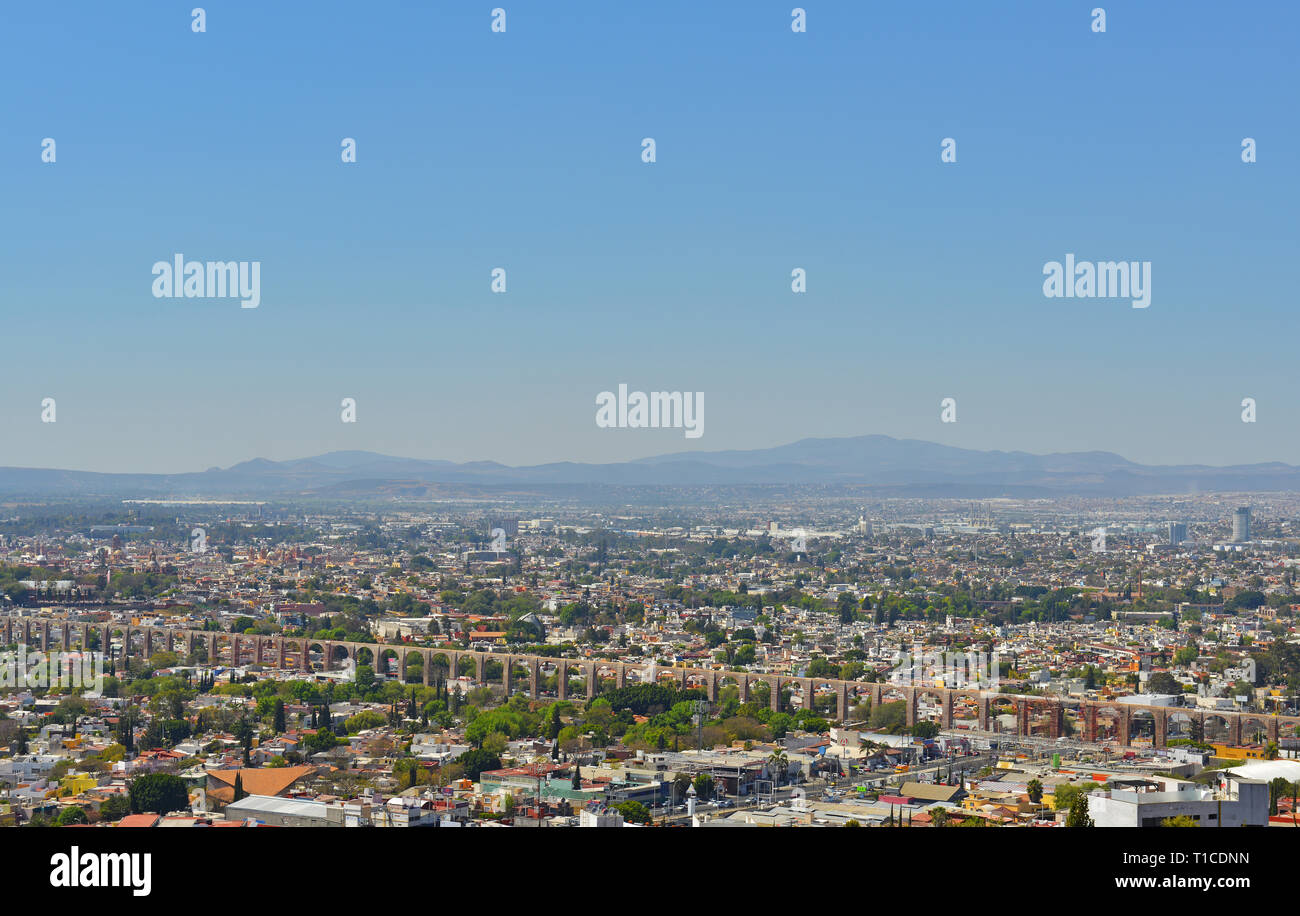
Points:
x=78, y=783
x=1235, y=752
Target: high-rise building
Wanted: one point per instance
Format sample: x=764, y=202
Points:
x=1241, y=525
x=1177, y=533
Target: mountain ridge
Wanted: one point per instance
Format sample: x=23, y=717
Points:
x=857, y=461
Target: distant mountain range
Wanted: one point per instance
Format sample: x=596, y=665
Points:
x=895, y=466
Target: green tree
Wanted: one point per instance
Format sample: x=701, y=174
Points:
x=1163, y=682
x=244, y=732
x=889, y=716
x=704, y=787
x=115, y=807
x=158, y=793
x=633, y=812
x=1065, y=793
x=477, y=762
x=681, y=782
x=364, y=678
x=70, y=815
x=495, y=743
x=1078, y=816
x=925, y=729
x=778, y=764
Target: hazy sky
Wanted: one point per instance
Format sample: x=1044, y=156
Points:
x=522, y=150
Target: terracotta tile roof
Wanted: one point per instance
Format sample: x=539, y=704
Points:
x=139, y=820
x=255, y=780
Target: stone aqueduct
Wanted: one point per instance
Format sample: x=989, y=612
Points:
x=1092, y=720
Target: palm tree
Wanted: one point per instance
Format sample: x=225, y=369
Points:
x=778, y=762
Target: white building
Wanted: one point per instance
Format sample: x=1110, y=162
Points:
x=1150, y=699
x=602, y=818
x=1234, y=803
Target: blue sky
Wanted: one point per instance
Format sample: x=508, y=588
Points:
x=521, y=150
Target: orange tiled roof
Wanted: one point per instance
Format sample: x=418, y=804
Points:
x=139, y=820
x=256, y=781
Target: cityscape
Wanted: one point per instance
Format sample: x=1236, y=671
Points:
x=650, y=417
x=743, y=659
